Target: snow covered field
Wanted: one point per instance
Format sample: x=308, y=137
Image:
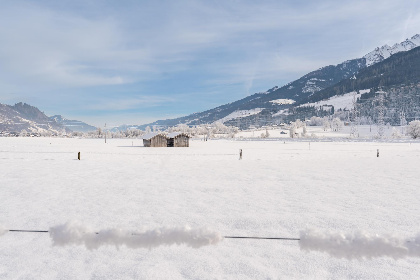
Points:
x=278, y=189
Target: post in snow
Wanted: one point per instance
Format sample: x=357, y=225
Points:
x=78, y=155
x=377, y=153
x=240, y=154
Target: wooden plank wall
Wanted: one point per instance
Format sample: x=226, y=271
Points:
x=159, y=141
x=181, y=141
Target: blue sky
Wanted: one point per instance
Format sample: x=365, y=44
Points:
x=134, y=62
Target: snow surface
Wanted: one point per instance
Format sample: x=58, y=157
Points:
x=278, y=189
x=344, y=101
x=240, y=114
x=3, y=230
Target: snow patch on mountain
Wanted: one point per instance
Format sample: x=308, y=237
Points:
x=311, y=86
x=344, y=102
x=283, y=101
x=240, y=114
x=284, y=112
x=379, y=54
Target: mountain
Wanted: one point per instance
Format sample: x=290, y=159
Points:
x=260, y=107
x=400, y=69
x=73, y=125
x=379, y=54
x=23, y=117
x=397, y=78
x=274, y=99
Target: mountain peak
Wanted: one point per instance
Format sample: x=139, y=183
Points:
x=415, y=37
x=381, y=53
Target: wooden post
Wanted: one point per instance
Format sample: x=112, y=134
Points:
x=240, y=154
x=78, y=155
x=377, y=153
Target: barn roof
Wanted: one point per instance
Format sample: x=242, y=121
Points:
x=151, y=135
x=175, y=134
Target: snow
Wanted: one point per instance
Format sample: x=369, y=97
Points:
x=174, y=134
x=283, y=101
x=311, y=85
x=240, y=114
x=281, y=112
x=149, y=136
x=344, y=101
x=386, y=51
x=360, y=245
x=75, y=233
x=278, y=189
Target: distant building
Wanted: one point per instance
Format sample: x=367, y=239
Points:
x=158, y=139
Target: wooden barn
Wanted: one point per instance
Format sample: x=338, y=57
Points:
x=155, y=139
x=178, y=139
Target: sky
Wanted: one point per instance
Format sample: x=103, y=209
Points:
x=134, y=62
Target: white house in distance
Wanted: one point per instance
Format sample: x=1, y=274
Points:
x=159, y=139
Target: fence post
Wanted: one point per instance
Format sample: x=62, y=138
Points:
x=377, y=153
x=240, y=154
x=78, y=155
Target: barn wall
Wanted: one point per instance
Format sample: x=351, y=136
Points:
x=181, y=141
x=159, y=141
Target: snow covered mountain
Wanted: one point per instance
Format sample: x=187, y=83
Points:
x=272, y=100
x=298, y=91
x=398, y=76
x=379, y=54
x=22, y=117
x=73, y=125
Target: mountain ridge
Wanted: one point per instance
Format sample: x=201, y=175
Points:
x=23, y=117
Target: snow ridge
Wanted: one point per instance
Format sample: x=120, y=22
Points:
x=75, y=233
x=379, y=54
x=359, y=245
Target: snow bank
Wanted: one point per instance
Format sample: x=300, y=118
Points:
x=75, y=233
x=359, y=245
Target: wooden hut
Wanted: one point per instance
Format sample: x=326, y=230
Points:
x=155, y=139
x=178, y=139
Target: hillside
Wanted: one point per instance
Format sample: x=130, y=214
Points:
x=73, y=125
x=22, y=117
x=312, y=87
x=399, y=69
